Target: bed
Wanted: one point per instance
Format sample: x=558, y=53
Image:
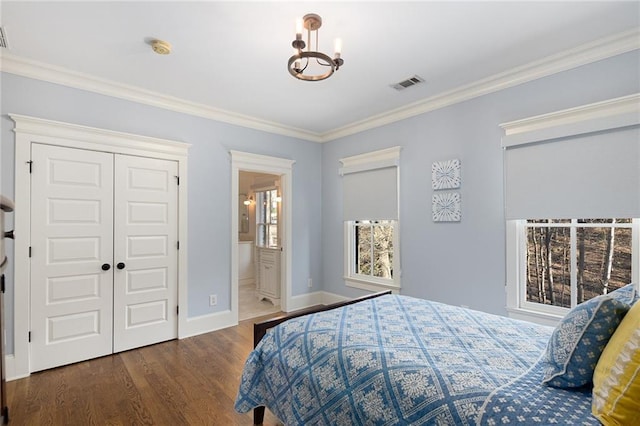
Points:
x=395, y=359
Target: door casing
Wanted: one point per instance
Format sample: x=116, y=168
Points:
x=30, y=130
x=248, y=162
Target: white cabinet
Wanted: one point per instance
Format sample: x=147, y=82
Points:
x=245, y=262
x=268, y=282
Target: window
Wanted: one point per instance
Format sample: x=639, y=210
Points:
x=267, y=218
x=372, y=250
x=567, y=174
x=564, y=262
x=370, y=211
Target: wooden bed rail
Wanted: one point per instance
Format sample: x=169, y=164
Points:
x=260, y=329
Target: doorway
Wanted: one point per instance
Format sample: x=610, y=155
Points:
x=259, y=178
x=259, y=234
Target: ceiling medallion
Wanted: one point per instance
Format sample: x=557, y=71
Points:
x=300, y=61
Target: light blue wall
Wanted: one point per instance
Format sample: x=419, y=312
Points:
x=460, y=263
x=209, y=178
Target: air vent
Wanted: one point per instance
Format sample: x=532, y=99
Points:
x=411, y=81
x=3, y=38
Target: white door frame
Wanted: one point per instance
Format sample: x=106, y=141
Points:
x=30, y=130
x=247, y=162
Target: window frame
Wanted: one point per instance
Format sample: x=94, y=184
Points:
x=384, y=158
x=368, y=282
x=516, y=269
x=267, y=225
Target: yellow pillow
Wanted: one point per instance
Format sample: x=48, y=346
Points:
x=616, y=380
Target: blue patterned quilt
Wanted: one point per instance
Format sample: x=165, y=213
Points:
x=401, y=360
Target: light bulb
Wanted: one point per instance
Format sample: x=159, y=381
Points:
x=298, y=28
x=338, y=46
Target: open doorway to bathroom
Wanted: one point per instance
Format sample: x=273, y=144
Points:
x=259, y=244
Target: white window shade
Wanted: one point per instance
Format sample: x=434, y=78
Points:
x=582, y=171
x=371, y=195
x=370, y=185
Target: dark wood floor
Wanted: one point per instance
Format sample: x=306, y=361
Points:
x=192, y=381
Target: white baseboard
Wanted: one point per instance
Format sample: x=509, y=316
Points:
x=10, y=369
x=207, y=323
x=304, y=301
x=219, y=320
x=329, y=298
x=316, y=298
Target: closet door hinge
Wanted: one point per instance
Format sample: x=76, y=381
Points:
x=178, y=180
x=177, y=310
x=30, y=166
x=29, y=337
x=178, y=245
x=29, y=251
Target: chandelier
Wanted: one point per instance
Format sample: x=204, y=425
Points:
x=300, y=61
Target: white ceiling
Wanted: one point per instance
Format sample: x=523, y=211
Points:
x=232, y=56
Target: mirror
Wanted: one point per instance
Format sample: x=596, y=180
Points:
x=243, y=214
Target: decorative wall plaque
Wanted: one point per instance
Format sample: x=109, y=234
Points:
x=445, y=174
x=446, y=207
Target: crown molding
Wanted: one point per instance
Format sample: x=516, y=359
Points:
x=572, y=58
x=24, y=67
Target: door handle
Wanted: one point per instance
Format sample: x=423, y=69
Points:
x=120, y=265
x=106, y=266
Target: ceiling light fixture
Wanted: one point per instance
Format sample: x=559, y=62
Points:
x=301, y=60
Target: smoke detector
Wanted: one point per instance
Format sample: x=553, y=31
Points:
x=161, y=47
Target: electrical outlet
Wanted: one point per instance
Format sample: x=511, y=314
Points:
x=310, y=283
x=213, y=300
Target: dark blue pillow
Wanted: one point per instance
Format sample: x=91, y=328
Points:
x=579, y=339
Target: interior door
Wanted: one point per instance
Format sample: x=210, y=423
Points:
x=103, y=254
x=145, y=254
x=71, y=240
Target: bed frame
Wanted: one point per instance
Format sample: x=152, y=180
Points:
x=260, y=329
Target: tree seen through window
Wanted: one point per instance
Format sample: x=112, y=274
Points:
x=599, y=262
x=374, y=248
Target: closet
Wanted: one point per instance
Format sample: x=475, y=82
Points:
x=103, y=253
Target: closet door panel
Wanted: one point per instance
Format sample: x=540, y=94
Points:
x=145, y=236
x=71, y=240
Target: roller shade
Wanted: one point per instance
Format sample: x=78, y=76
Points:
x=595, y=176
x=589, y=168
x=370, y=186
x=371, y=195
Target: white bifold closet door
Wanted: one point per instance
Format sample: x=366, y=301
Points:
x=103, y=254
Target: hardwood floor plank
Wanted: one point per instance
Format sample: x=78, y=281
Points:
x=193, y=381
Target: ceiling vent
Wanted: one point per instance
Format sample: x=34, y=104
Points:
x=411, y=81
x=3, y=38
